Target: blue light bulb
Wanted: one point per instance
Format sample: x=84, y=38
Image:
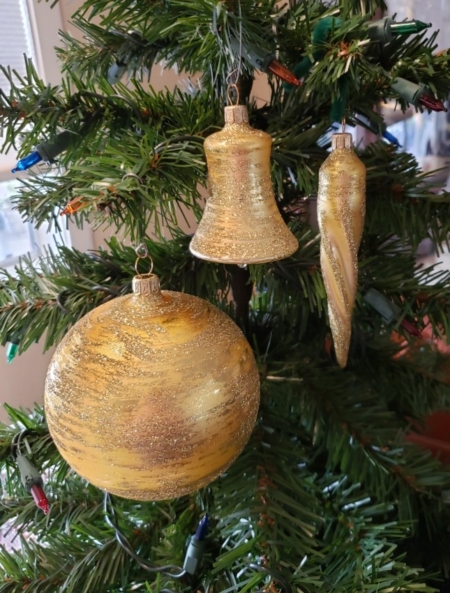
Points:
x=391, y=138
x=27, y=162
x=202, y=529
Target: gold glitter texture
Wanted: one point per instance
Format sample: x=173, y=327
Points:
x=152, y=395
x=241, y=223
x=341, y=209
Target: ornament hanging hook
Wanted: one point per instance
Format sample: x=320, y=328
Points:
x=234, y=76
x=142, y=253
x=232, y=86
x=239, y=66
x=343, y=123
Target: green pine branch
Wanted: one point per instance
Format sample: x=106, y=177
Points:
x=47, y=297
x=92, y=58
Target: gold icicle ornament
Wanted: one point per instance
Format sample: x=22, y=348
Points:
x=152, y=395
x=341, y=207
x=241, y=223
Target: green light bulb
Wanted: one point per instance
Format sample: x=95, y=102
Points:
x=11, y=351
x=408, y=27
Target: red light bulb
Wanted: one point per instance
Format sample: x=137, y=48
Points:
x=432, y=103
x=411, y=328
x=40, y=498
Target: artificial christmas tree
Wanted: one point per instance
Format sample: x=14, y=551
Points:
x=329, y=494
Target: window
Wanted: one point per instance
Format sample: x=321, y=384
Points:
x=16, y=238
x=15, y=37
x=15, y=40
x=27, y=27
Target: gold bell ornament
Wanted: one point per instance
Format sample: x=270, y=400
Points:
x=152, y=395
x=241, y=223
x=341, y=207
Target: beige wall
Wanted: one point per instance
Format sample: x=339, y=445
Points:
x=22, y=381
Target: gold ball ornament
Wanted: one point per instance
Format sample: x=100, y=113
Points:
x=152, y=395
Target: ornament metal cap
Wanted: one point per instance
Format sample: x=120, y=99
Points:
x=146, y=284
x=343, y=140
x=236, y=114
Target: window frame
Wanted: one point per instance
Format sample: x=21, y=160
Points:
x=46, y=22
